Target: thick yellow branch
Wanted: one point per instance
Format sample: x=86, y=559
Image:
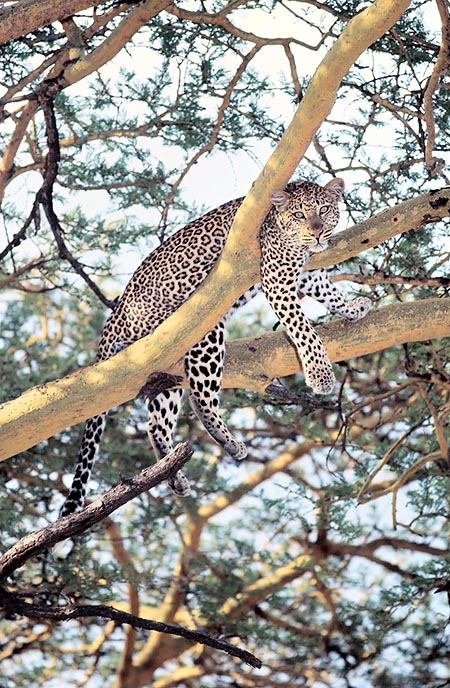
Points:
x=317, y=102
x=251, y=364
x=43, y=411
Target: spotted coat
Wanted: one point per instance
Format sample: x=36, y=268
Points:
x=300, y=222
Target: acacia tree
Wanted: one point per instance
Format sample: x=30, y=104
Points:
x=335, y=527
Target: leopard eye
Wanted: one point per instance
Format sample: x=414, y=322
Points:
x=299, y=215
x=324, y=209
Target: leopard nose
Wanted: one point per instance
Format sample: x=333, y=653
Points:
x=316, y=227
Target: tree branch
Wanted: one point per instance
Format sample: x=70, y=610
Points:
x=13, y=605
x=433, y=164
x=45, y=95
x=45, y=538
x=268, y=585
x=136, y=18
x=30, y=15
x=251, y=363
x=73, y=71
x=411, y=214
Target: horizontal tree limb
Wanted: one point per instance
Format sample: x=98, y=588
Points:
x=13, y=604
x=411, y=214
x=46, y=538
x=251, y=364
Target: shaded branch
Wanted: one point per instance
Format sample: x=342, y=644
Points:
x=253, y=362
x=284, y=395
x=45, y=95
x=13, y=605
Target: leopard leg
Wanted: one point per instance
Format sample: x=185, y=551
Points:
x=93, y=431
x=204, y=366
x=316, y=283
x=279, y=278
x=163, y=413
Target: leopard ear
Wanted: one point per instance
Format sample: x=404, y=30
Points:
x=335, y=187
x=280, y=199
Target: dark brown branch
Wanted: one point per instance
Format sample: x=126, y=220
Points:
x=14, y=605
x=45, y=95
x=45, y=538
x=379, y=277
x=21, y=234
x=283, y=395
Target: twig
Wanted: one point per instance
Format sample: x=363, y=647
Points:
x=45, y=538
x=21, y=234
x=14, y=605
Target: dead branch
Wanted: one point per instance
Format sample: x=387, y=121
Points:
x=45, y=538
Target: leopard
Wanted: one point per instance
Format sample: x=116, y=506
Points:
x=301, y=221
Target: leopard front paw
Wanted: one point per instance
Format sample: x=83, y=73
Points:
x=358, y=308
x=236, y=450
x=321, y=380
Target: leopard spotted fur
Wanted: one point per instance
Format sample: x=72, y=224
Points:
x=300, y=222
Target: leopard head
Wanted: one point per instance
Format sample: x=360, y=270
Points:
x=308, y=212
